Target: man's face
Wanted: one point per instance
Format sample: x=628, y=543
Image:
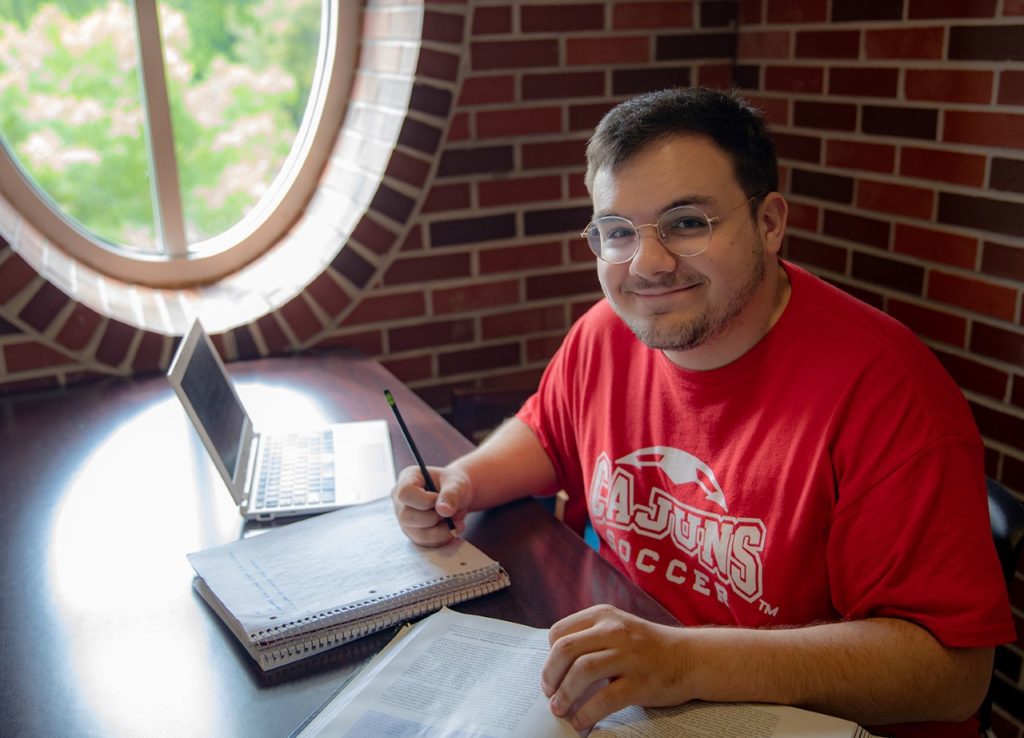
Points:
x=671, y=302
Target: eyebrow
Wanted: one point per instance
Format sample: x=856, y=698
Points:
x=703, y=201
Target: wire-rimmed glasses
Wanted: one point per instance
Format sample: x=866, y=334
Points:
x=683, y=230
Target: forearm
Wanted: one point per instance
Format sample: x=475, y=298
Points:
x=873, y=671
x=509, y=465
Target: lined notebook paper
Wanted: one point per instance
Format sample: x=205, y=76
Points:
x=301, y=589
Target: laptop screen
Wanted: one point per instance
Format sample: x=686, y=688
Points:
x=215, y=405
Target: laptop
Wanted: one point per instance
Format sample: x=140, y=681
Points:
x=277, y=475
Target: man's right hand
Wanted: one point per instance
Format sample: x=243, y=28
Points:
x=421, y=513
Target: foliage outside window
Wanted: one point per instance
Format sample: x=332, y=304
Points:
x=239, y=75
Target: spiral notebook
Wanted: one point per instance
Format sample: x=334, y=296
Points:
x=299, y=590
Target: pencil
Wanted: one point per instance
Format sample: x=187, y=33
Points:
x=428, y=481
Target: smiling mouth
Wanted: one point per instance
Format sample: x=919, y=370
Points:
x=664, y=291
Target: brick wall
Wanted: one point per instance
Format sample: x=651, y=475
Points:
x=900, y=127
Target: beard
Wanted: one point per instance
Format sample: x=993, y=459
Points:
x=670, y=333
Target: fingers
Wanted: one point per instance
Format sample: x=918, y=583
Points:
x=603, y=659
x=422, y=513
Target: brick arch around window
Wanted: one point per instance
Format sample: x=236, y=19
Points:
x=62, y=322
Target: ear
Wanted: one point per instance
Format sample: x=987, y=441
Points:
x=772, y=221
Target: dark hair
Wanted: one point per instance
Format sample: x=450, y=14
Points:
x=735, y=126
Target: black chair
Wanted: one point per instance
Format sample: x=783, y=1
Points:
x=1006, y=514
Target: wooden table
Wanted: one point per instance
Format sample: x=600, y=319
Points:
x=103, y=490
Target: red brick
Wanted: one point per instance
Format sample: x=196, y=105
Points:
x=522, y=322
x=863, y=82
x=973, y=294
x=860, y=155
x=717, y=76
x=79, y=328
x=328, y=294
x=557, y=18
x=930, y=9
x=148, y=354
x=586, y=117
x=411, y=368
x=1013, y=7
x=520, y=189
x=475, y=297
x=577, y=185
x=775, y=110
x=407, y=168
x=542, y=349
x=413, y=239
x=816, y=253
x=975, y=376
x=521, y=258
x=554, y=154
x=560, y=284
x=803, y=215
x=794, y=79
x=370, y=343
x=946, y=166
x=459, y=129
x=373, y=235
x=764, y=45
x=447, y=197
x=1003, y=261
x=656, y=15
x=616, y=50
x=478, y=359
x=428, y=335
x=826, y=115
x=15, y=275
x=301, y=319
x=518, y=122
x=113, y=347
x=383, y=308
x=914, y=202
x=984, y=129
x=492, y=20
x=428, y=268
x=443, y=27
x=1011, y=87
x=797, y=11
x=437, y=65
x=484, y=90
x=31, y=355
x=904, y=43
x=934, y=324
x=512, y=54
x=750, y=12
x=827, y=44
x=274, y=338
x=939, y=246
x=562, y=85
x=44, y=306
x=949, y=85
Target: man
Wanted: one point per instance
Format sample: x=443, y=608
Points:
x=768, y=457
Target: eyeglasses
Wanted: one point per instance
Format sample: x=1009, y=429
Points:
x=685, y=230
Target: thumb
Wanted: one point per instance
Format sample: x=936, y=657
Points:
x=454, y=496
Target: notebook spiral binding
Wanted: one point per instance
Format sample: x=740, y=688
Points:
x=329, y=636
x=355, y=612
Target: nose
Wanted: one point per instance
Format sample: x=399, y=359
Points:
x=651, y=257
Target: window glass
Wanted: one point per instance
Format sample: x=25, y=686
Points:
x=71, y=112
x=239, y=74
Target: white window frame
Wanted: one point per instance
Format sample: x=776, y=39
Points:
x=179, y=263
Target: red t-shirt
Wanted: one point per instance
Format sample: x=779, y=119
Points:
x=832, y=472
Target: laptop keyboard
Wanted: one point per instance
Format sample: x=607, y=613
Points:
x=296, y=470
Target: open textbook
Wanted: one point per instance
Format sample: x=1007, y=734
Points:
x=464, y=676
x=295, y=591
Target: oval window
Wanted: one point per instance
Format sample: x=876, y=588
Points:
x=156, y=137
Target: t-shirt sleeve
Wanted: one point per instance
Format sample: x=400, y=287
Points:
x=911, y=537
x=549, y=414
